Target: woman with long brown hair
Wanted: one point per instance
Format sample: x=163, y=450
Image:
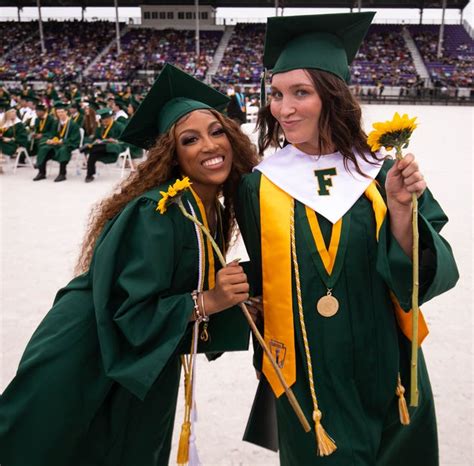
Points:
x=90, y=121
x=327, y=224
x=99, y=379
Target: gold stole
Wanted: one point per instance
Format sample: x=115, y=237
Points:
x=106, y=131
x=62, y=132
x=275, y=208
x=42, y=123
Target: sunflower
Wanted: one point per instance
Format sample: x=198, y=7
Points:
x=175, y=191
x=395, y=133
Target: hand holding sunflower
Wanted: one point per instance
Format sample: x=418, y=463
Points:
x=404, y=179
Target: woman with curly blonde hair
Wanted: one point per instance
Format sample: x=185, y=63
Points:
x=99, y=379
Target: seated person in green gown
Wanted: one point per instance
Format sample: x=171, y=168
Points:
x=105, y=146
x=65, y=138
x=327, y=224
x=135, y=151
x=75, y=112
x=44, y=127
x=98, y=382
x=12, y=133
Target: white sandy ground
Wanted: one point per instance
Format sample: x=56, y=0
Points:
x=42, y=225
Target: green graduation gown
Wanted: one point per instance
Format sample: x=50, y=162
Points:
x=113, y=148
x=62, y=152
x=358, y=353
x=52, y=94
x=46, y=129
x=19, y=139
x=98, y=382
x=78, y=119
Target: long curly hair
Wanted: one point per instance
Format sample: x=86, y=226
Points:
x=160, y=166
x=340, y=122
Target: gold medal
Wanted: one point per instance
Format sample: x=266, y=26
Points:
x=328, y=305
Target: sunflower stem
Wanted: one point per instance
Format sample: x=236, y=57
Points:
x=288, y=391
x=414, y=297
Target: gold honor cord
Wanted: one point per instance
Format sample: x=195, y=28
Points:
x=187, y=361
x=325, y=444
x=211, y=274
x=42, y=123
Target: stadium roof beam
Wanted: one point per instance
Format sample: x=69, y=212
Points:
x=420, y=4
x=441, y=32
x=40, y=24
x=117, y=28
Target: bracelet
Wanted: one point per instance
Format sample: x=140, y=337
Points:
x=197, y=312
x=205, y=317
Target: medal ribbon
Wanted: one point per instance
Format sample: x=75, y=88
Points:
x=328, y=262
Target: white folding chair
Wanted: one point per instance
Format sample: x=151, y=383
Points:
x=76, y=153
x=122, y=161
x=19, y=152
x=252, y=114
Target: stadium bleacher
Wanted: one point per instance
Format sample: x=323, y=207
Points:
x=384, y=58
x=72, y=49
x=149, y=49
x=456, y=66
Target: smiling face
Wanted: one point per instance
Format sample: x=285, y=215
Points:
x=61, y=113
x=203, y=149
x=297, y=107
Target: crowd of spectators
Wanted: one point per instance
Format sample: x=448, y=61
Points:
x=455, y=67
x=149, y=49
x=14, y=33
x=242, y=61
x=70, y=47
x=384, y=58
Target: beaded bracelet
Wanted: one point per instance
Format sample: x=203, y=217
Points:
x=197, y=313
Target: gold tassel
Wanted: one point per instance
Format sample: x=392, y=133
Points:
x=402, y=404
x=325, y=443
x=183, y=448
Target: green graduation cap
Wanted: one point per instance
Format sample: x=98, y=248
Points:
x=173, y=95
x=59, y=104
x=323, y=42
x=92, y=103
x=105, y=112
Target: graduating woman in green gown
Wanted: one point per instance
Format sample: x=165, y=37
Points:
x=98, y=382
x=327, y=224
x=12, y=133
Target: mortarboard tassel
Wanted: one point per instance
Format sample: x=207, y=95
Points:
x=402, y=404
x=263, y=103
x=263, y=89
